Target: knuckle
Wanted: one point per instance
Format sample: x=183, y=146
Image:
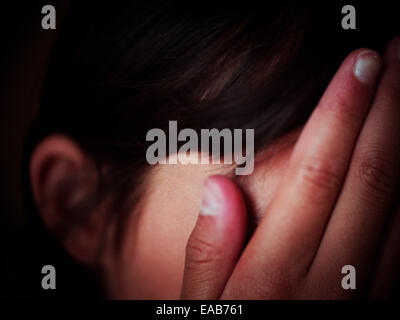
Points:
x=320, y=177
x=345, y=112
x=377, y=175
x=199, y=251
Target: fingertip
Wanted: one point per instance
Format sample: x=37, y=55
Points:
x=216, y=241
x=367, y=66
x=223, y=200
x=354, y=82
x=221, y=195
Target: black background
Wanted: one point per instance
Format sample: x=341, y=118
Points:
x=25, y=46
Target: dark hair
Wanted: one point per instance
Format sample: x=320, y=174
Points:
x=120, y=69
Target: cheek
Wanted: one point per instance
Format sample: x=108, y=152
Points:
x=160, y=245
x=154, y=258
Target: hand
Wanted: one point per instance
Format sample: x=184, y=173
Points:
x=329, y=210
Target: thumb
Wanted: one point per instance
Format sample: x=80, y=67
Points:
x=216, y=241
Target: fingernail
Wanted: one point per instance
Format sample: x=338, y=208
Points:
x=367, y=67
x=212, y=198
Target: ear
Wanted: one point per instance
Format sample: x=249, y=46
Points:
x=64, y=183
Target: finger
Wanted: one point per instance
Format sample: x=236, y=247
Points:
x=292, y=227
x=355, y=228
x=387, y=277
x=216, y=241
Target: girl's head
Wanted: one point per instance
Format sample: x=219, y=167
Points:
x=120, y=70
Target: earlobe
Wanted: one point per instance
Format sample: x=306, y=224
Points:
x=64, y=185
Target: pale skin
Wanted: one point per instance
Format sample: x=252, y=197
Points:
x=321, y=196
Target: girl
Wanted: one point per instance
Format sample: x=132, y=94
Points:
x=320, y=198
